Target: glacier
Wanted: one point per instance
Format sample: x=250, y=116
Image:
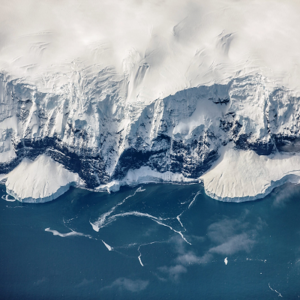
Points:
x=202, y=92
x=41, y=180
x=240, y=176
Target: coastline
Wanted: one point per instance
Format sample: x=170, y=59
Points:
x=237, y=176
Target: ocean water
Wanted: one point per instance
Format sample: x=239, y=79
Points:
x=156, y=241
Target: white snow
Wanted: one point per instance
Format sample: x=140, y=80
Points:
x=2, y=177
x=7, y=152
x=243, y=175
x=225, y=261
x=104, y=219
x=109, y=248
x=184, y=43
x=111, y=70
x=41, y=180
x=72, y=233
x=194, y=199
x=279, y=294
x=6, y=198
x=95, y=227
x=144, y=175
x=140, y=260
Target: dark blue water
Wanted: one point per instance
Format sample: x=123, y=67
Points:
x=163, y=245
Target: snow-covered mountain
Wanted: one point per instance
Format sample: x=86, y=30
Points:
x=158, y=91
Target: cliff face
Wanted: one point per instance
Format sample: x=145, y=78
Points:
x=89, y=126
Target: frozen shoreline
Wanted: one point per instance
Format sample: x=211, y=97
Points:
x=292, y=179
x=240, y=176
x=237, y=176
x=44, y=180
x=39, y=181
x=145, y=175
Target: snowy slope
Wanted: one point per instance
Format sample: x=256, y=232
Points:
x=41, y=180
x=122, y=92
x=243, y=175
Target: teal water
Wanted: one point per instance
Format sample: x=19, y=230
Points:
x=166, y=241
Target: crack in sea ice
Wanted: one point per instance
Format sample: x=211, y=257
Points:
x=178, y=219
x=6, y=198
x=139, y=214
x=108, y=218
x=72, y=233
x=143, y=245
x=194, y=199
x=256, y=259
x=181, y=224
x=69, y=220
x=191, y=203
x=100, y=223
x=279, y=294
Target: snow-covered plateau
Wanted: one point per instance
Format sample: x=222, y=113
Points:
x=99, y=94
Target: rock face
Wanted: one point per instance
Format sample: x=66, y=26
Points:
x=100, y=137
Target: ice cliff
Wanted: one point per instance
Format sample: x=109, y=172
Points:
x=39, y=181
x=162, y=102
